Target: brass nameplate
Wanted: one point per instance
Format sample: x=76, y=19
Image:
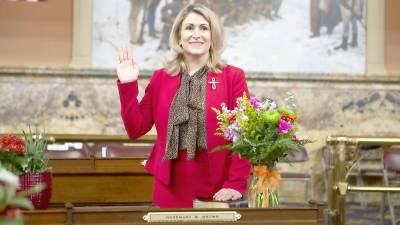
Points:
x=217, y=216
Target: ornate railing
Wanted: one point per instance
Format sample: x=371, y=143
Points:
x=339, y=166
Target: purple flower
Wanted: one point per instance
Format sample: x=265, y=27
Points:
x=284, y=127
x=255, y=102
x=229, y=134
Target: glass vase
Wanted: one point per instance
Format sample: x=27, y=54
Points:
x=262, y=190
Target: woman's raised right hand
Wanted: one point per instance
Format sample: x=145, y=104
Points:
x=127, y=66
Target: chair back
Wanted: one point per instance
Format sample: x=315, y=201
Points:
x=300, y=155
x=391, y=159
x=325, y=154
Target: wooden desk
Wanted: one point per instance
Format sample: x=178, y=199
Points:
x=83, y=176
x=133, y=215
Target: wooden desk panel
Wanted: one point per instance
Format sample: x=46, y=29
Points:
x=70, y=166
x=86, y=188
x=119, y=177
x=134, y=215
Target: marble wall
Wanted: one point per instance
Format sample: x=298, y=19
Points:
x=59, y=105
x=85, y=103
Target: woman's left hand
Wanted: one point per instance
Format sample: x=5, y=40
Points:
x=226, y=194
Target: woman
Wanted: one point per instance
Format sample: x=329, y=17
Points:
x=179, y=101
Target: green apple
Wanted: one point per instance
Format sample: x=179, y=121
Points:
x=271, y=117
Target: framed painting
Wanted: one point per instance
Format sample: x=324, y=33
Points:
x=262, y=36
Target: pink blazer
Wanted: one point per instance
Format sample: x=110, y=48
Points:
x=226, y=171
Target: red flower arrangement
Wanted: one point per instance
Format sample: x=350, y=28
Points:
x=23, y=154
x=25, y=157
x=13, y=144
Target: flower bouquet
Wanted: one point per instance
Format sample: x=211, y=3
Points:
x=263, y=133
x=26, y=158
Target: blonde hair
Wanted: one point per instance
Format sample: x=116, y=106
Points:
x=176, y=64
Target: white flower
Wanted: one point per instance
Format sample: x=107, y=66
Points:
x=269, y=104
x=234, y=111
x=224, y=108
x=273, y=105
x=8, y=178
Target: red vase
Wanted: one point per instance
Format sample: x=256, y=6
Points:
x=41, y=199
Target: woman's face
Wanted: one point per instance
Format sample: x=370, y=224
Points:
x=195, y=36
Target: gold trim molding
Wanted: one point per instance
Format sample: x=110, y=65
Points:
x=88, y=72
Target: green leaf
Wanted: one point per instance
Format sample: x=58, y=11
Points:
x=35, y=189
x=10, y=193
x=35, y=145
x=221, y=147
x=21, y=203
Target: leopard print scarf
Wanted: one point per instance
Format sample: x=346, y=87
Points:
x=186, y=118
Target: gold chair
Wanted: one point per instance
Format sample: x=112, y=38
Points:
x=368, y=166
